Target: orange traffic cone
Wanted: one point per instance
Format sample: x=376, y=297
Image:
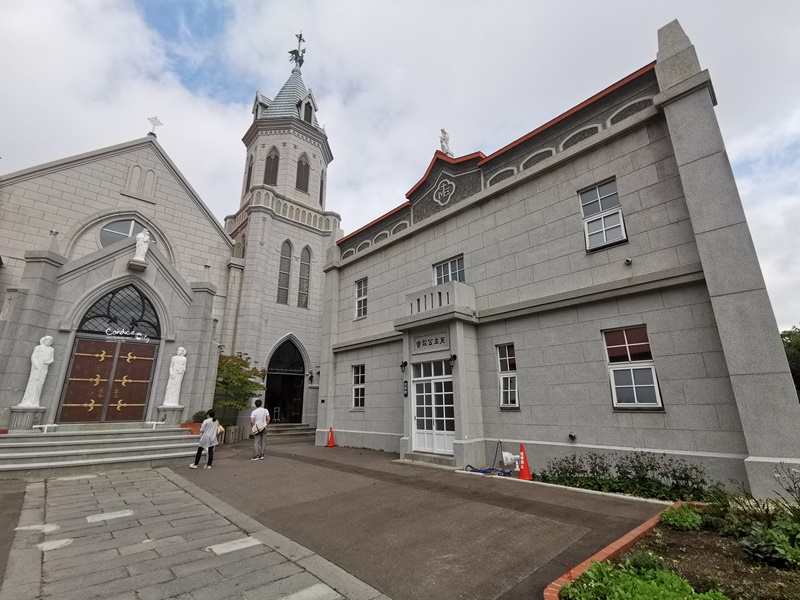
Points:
x=331, y=443
x=524, y=469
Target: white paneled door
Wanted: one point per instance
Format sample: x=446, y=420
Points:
x=434, y=419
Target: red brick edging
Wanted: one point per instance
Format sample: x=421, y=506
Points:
x=611, y=551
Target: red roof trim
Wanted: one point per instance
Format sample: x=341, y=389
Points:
x=368, y=225
x=439, y=155
x=572, y=111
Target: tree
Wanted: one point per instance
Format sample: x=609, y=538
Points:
x=791, y=343
x=237, y=382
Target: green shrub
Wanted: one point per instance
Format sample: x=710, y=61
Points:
x=606, y=581
x=636, y=473
x=778, y=544
x=645, y=560
x=199, y=416
x=683, y=518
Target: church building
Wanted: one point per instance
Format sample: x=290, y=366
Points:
x=591, y=286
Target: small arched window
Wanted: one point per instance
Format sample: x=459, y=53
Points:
x=321, y=187
x=305, y=275
x=284, y=272
x=249, y=175
x=307, y=113
x=271, y=167
x=119, y=230
x=303, y=170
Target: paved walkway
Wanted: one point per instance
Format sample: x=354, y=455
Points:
x=151, y=534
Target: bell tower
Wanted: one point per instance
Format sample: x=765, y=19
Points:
x=283, y=231
x=287, y=150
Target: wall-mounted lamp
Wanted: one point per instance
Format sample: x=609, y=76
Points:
x=311, y=377
x=453, y=360
x=403, y=366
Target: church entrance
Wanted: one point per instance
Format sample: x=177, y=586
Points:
x=285, y=384
x=111, y=369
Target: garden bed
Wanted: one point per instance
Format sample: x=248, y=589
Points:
x=710, y=561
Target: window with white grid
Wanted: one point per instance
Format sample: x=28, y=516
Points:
x=631, y=369
x=359, y=388
x=602, y=216
x=361, y=298
x=449, y=270
x=508, y=376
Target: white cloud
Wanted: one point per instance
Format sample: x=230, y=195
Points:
x=79, y=75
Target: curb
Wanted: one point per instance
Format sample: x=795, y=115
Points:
x=611, y=551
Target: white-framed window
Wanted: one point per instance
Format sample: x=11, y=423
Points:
x=359, y=387
x=507, y=364
x=602, y=216
x=631, y=369
x=449, y=270
x=361, y=298
x=119, y=230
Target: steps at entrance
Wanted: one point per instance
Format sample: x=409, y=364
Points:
x=290, y=432
x=85, y=450
x=427, y=459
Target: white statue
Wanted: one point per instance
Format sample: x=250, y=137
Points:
x=142, y=244
x=445, y=142
x=41, y=359
x=177, y=369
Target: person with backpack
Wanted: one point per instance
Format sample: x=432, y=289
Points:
x=208, y=439
x=259, y=419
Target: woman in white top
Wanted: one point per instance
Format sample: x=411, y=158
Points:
x=208, y=439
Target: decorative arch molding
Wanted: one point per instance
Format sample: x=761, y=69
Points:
x=290, y=337
x=348, y=253
x=363, y=246
x=383, y=235
x=537, y=157
x=504, y=174
x=78, y=231
x=400, y=227
x=579, y=136
x=88, y=299
x=629, y=109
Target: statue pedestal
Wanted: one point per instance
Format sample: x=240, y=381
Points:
x=170, y=415
x=23, y=418
x=137, y=265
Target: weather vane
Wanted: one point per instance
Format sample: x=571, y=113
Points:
x=155, y=123
x=296, y=56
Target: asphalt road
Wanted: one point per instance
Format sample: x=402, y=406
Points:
x=419, y=533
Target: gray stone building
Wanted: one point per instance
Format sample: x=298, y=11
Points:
x=590, y=286
x=72, y=271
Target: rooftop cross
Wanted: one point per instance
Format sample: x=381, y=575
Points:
x=155, y=123
x=296, y=56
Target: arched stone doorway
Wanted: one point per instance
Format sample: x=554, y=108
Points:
x=285, y=384
x=113, y=359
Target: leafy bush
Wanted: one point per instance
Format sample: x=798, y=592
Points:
x=606, y=581
x=778, y=544
x=637, y=473
x=645, y=560
x=683, y=518
x=199, y=416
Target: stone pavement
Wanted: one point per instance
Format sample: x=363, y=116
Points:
x=151, y=534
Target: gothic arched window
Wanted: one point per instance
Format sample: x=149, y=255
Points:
x=305, y=274
x=321, y=187
x=307, y=114
x=249, y=175
x=303, y=170
x=284, y=272
x=125, y=309
x=271, y=167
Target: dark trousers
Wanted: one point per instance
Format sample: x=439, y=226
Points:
x=200, y=453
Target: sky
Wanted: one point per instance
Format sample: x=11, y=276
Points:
x=78, y=75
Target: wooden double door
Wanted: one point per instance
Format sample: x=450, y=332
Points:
x=108, y=381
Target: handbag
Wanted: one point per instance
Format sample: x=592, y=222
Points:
x=220, y=429
x=259, y=427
